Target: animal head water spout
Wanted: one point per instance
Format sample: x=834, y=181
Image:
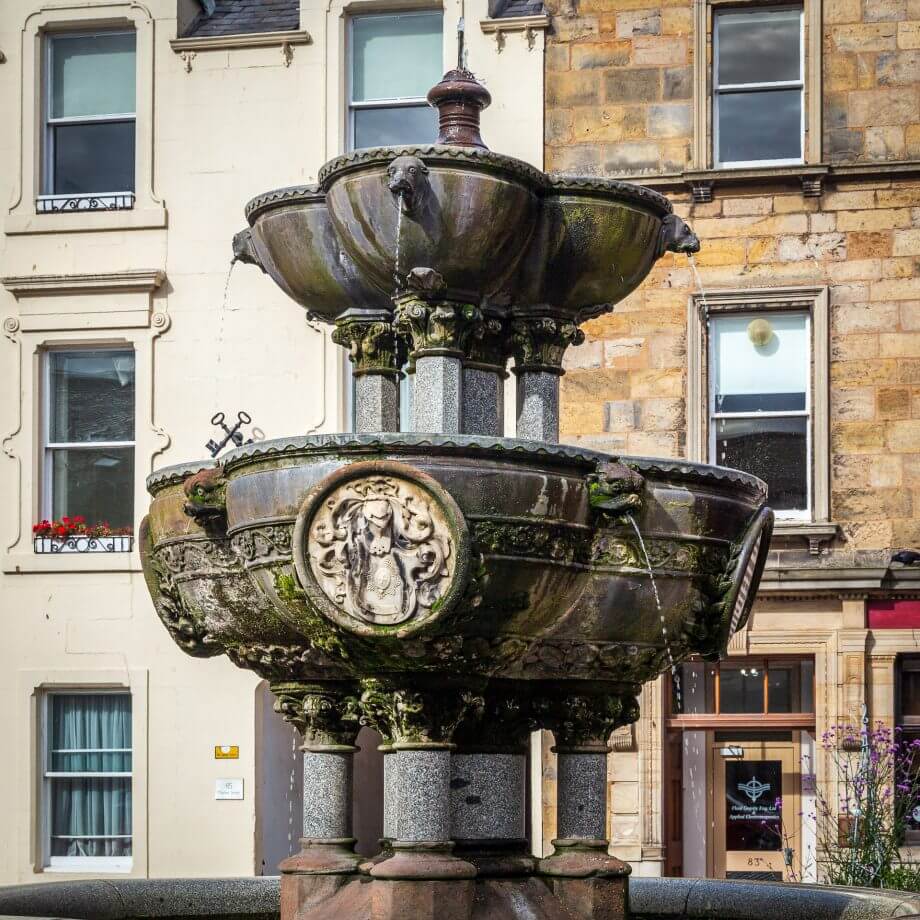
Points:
x=407, y=178
x=243, y=249
x=676, y=236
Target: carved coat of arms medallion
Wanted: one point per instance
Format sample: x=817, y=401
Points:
x=382, y=548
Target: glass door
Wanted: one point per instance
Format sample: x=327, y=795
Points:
x=755, y=808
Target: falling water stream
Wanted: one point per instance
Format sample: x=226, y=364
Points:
x=400, y=207
x=675, y=674
x=224, y=304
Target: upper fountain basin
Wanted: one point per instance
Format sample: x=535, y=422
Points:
x=495, y=229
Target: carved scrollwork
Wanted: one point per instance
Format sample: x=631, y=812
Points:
x=264, y=545
x=623, y=550
x=539, y=343
x=439, y=327
x=559, y=542
x=186, y=630
x=276, y=662
x=373, y=346
x=381, y=550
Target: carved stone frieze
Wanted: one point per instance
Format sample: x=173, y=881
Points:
x=373, y=346
x=539, y=343
x=437, y=327
x=264, y=545
x=196, y=558
x=381, y=550
x=559, y=542
x=584, y=658
x=623, y=550
x=278, y=662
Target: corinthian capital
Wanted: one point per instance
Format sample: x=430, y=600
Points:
x=539, y=342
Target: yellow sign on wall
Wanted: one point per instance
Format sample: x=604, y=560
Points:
x=226, y=752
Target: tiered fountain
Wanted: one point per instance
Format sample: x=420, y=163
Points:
x=450, y=587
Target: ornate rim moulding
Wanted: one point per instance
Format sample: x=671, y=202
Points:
x=178, y=472
x=142, y=280
x=606, y=188
x=696, y=472
x=381, y=546
x=279, y=197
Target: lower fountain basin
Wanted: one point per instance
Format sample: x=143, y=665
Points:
x=426, y=553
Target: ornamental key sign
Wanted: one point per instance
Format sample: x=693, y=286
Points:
x=381, y=549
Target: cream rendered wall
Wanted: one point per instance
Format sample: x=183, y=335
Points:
x=226, y=124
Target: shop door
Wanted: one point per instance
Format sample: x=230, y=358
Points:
x=755, y=807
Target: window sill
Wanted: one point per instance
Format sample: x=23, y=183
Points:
x=816, y=534
x=32, y=563
x=85, y=221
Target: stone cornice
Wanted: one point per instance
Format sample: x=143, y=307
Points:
x=133, y=281
x=241, y=40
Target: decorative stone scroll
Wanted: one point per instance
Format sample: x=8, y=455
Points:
x=381, y=545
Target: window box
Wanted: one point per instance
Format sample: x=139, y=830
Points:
x=84, y=544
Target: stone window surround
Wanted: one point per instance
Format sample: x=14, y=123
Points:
x=701, y=152
x=815, y=300
x=56, y=311
x=32, y=686
x=148, y=210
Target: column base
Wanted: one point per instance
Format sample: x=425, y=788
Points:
x=315, y=874
x=582, y=858
x=423, y=861
x=497, y=858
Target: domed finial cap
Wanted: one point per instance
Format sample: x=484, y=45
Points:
x=459, y=99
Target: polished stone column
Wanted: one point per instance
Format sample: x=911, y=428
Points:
x=483, y=408
x=375, y=352
x=421, y=722
x=539, y=343
x=326, y=714
x=438, y=332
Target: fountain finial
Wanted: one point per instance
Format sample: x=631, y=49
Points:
x=459, y=98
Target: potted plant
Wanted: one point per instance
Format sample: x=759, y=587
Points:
x=74, y=535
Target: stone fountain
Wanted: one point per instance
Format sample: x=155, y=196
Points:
x=450, y=587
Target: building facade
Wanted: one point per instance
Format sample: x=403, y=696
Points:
x=134, y=133
x=789, y=136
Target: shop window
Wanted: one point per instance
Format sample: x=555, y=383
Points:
x=87, y=773
x=749, y=686
x=760, y=403
x=88, y=464
x=908, y=721
x=758, y=87
x=90, y=113
x=395, y=58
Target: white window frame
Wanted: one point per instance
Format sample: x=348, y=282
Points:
x=48, y=446
x=77, y=863
x=735, y=88
x=389, y=103
x=102, y=199
x=804, y=514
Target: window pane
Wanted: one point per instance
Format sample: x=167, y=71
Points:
x=775, y=449
x=392, y=126
x=93, y=158
x=92, y=75
x=759, y=47
x=767, y=377
x=395, y=57
x=910, y=688
x=757, y=126
x=92, y=396
x=741, y=689
x=91, y=817
x=90, y=733
x=97, y=483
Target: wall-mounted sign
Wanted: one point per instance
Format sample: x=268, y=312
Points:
x=732, y=751
x=226, y=752
x=228, y=789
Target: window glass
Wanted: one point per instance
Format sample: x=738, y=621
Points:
x=910, y=688
x=774, y=449
x=396, y=56
x=765, y=125
x=93, y=75
x=741, y=688
x=88, y=775
x=93, y=158
x=90, y=449
x=759, y=46
x=390, y=127
x=754, y=377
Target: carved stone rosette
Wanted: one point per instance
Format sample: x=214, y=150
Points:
x=539, y=343
x=380, y=545
x=373, y=345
